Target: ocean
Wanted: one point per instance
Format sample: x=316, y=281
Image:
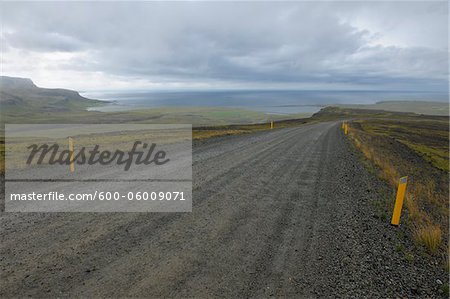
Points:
x=267, y=101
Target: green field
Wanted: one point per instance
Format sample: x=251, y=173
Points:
x=419, y=107
x=197, y=116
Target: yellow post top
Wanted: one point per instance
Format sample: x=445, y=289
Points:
x=403, y=180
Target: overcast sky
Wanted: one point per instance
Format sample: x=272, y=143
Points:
x=228, y=45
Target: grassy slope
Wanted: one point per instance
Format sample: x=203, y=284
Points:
x=418, y=149
x=428, y=108
x=398, y=144
x=427, y=137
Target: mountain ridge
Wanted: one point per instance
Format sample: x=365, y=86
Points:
x=21, y=94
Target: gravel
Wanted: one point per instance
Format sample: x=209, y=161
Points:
x=285, y=213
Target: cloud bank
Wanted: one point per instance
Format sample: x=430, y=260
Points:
x=306, y=45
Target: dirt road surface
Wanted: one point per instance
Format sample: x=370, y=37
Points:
x=282, y=213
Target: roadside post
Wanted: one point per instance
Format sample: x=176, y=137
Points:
x=399, y=201
x=71, y=153
x=345, y=128
x=271, y=124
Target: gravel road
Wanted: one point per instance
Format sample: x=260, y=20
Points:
x=282, y=213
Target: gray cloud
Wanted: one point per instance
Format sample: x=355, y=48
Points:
x=372, y=45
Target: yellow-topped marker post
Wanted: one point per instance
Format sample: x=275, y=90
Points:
x=399, y=201
x=71, y=155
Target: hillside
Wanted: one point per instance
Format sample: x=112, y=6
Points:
x=21, y=95
x=419, y=107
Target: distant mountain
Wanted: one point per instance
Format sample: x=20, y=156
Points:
x=22, y=95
